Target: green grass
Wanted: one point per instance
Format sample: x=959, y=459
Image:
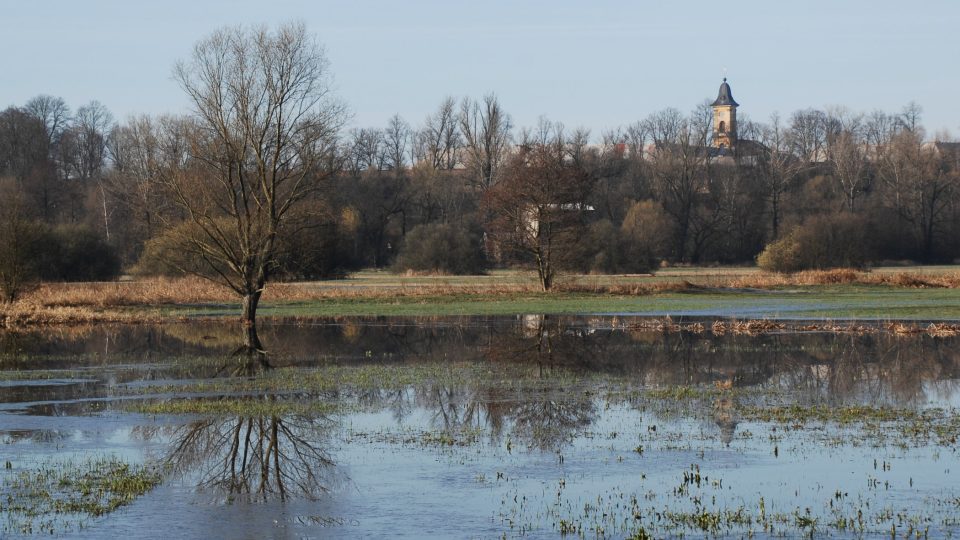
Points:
x=58, y=496
x=234, y=407
x=826, y=302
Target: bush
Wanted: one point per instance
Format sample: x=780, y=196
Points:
x=304, y=253
x=834, y=241
x=21, y=242
x=314, y=253
x=644, y=235
x=601, y=243
x=782, y=255
x=31, y=251
x=171, y=253
x=441, y=247
x=77, y=253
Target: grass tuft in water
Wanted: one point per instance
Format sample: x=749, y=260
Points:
x=56, y=497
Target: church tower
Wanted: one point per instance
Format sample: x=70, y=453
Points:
x=725, y=118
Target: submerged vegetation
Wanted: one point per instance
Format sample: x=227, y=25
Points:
x=57, y=496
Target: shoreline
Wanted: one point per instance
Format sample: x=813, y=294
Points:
x=837, y=295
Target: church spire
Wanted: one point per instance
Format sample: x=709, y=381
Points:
x=725, y=97
x=725, y=118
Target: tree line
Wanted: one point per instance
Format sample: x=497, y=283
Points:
x=242, y=191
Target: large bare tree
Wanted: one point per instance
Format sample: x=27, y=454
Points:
x=678, y=167
x=262, y=141
x=777, y=167
x=537, y=209
x=439, y=143
x=486, y=132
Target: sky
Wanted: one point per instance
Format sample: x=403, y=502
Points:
x=596, y=65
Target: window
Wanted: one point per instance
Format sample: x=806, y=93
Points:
x=723, y=127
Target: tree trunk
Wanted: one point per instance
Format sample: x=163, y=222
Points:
x=248, y=322
x=545, y=273
x=775, y=211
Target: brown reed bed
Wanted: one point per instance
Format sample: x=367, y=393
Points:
x=757, y=327
x=847, y=276
x=141, y=301
x=193, y=290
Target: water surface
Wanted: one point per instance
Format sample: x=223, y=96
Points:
x=483, y=427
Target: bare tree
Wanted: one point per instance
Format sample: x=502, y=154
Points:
x=485, y=128
x=25, y=154
x=678, y=167
x=397, y=139
x=367, y=151
x=637, y=137
x=910, y=116
x=84, y=147
x=919, y=184
x=53, y=112
x=137, y=152
x=23, y=143
x=439, y=143
x=808, y=134
x=777, y=168
x=20, y=247
x=537, y=209
x=847, y=156
x=263, y=140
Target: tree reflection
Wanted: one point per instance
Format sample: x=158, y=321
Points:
x=254, y=458
x=725, y=416
x=544, y=417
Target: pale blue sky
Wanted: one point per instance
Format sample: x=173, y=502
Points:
x=598, y=64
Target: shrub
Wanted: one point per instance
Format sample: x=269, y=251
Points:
x=782, y=255
x=644, y=235
x=304, y=253
x=31, y=251
x=314, y=253
x=833, y=241
x=441, y=247
x=77, y=253
x=602, y=241
x=21, y=240
x=172, y=253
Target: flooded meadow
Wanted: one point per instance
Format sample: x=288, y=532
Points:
x=479, y=427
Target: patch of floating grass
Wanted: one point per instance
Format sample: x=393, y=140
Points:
x=71, y=491
x=238, y=407
x=801, y=414
x=335, y=378
x=918, y=425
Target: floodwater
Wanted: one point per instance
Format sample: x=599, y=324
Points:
x=456, y=427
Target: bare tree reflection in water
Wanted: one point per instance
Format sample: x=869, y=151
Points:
x=875, y=369
x=255, y=458
x=725, y=415
x=544, y=416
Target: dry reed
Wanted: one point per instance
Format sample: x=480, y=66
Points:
x=757, y=327
x=75, y=303
x=847, y=276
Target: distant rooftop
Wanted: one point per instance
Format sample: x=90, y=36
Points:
x=725, y=97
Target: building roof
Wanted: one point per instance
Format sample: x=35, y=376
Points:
x=724, y=97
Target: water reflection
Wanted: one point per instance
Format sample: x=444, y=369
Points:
x=837, y=367
x=251, y=458
x=543, y=419
x=726, y=417
x=511, y=390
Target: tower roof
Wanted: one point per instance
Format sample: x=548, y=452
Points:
x=724, y=97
